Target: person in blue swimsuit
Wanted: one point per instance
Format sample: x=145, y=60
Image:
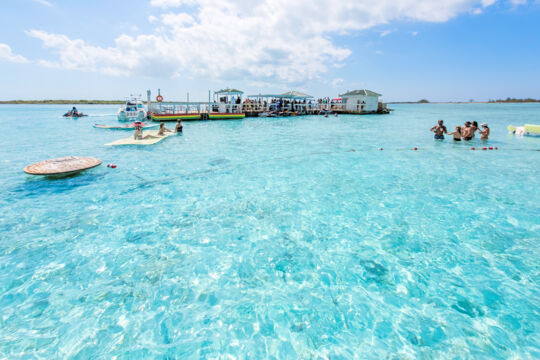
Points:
x=439, y=130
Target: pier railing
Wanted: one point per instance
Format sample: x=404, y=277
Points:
x=195, y=108
x=245, y=107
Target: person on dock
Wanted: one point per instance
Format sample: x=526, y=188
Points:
x=457, y=133
x=484, y=132
x=178, y=128
x=439, y=130
x=162, y=129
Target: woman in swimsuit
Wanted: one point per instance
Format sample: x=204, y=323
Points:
x=485, y=133
x=162, y=129
x=179, y=126
x=457, y=133
x=474, y=128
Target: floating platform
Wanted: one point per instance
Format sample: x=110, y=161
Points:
x=62, y=166
x=153, y=139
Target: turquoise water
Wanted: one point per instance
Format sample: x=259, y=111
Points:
x=286, y=238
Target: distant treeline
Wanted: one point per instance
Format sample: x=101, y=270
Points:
x=512, y=100
x=89, y=102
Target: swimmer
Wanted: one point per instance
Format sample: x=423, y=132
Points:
x=457, y=133
x=162, y=129
x=138, y=135
x=485, y=133
x=439, y=130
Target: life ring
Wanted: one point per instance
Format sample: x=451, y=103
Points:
x=159, y=98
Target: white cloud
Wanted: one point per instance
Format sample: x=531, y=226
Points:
x=279, y=40
x=414, y=33
x=7, y=55
x=386, y=32
x=337, y=82
x=171, y=3
x=43, y=2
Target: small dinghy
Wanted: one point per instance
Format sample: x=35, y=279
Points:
x=62, y=166
x=126, y=127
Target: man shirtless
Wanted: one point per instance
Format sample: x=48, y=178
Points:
x=467, y=131
x=439, y=130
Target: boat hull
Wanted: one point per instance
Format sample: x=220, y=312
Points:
x=173, y=117
x=218, y=116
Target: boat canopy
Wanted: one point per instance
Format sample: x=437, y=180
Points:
x=287, y=95
x=229, y=91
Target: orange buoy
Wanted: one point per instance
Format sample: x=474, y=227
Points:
x=415, y=148
x=473, y=148
x=484, y=148
x=159, y=98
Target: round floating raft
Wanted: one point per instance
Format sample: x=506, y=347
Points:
x=62, y=166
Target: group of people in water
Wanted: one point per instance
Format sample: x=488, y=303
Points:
x=465, y=132
x=138, y=135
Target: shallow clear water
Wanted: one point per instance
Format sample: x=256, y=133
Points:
x=288, y=238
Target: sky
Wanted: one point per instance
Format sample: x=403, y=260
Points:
x=407, y=50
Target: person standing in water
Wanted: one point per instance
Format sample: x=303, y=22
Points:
x=439, y=130
x=466, y=131
x=474, y=128
x=457, y=133
x=485, y=132
x=179, y=127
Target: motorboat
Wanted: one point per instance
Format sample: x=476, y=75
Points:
x=132, y=110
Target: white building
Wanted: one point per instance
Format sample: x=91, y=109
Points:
x=361, y=100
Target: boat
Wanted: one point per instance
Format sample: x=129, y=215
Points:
x=126, y=127
x=525, y=130
x=132, y=110
x=74, y=114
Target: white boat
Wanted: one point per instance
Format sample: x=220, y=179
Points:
x=132, y=110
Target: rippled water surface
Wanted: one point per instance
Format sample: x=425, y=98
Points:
x=286, y=238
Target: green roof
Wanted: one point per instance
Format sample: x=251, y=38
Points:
x=362, y=92
x=295, y=95
x=287, y=95
x=229, y=91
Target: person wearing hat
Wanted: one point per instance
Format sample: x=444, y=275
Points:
x=485, y=132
